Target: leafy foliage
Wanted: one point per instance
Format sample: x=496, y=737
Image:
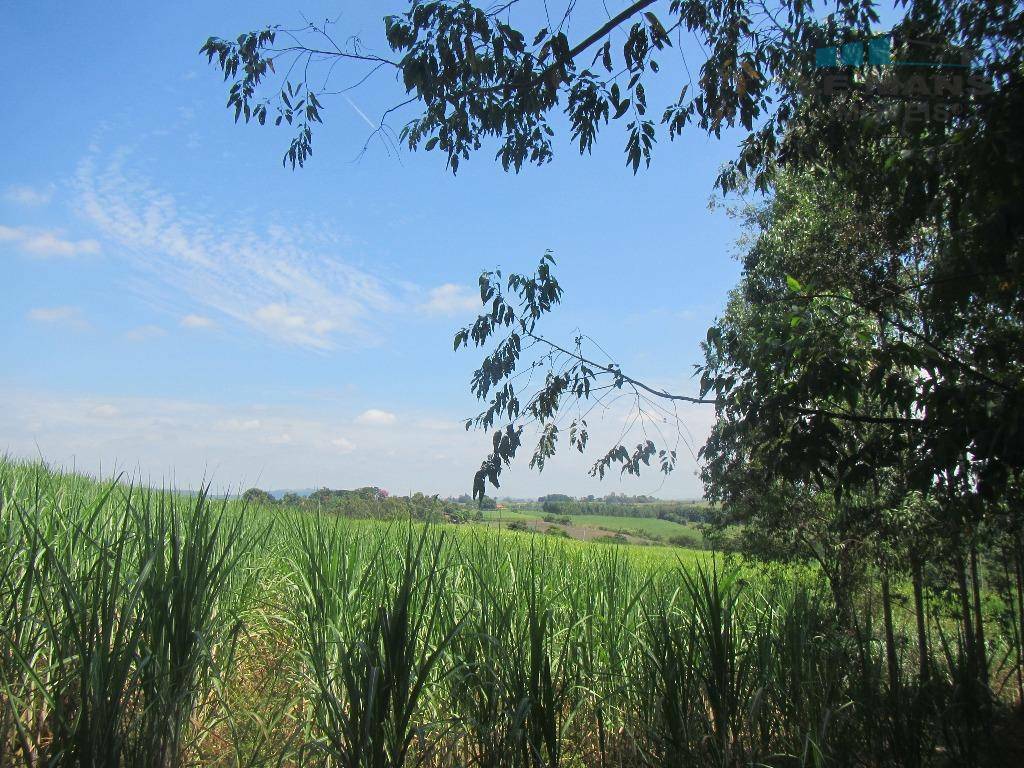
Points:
x=475, y=77
x=514, y=307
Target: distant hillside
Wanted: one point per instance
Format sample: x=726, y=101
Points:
x=675, y=511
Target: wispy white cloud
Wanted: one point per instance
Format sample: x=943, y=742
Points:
x=64, y=315
x=23, y=194
x=275, y=280
x=376, y=417
x=278, y=319
x=46, y=243
x=197, y=322
x=145, y=333
x=238, y=425
x=343, y=444
x=450, y=299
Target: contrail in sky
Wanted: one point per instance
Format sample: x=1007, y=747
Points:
x=360, y=112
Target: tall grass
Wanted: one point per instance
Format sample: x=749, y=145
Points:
x=112, y=614
x=147, y=628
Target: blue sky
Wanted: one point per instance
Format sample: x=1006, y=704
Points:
x=178, y=304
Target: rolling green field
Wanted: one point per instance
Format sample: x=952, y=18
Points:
x=147, y=628
x=597, y=524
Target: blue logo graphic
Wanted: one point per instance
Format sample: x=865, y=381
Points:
x=877, y=52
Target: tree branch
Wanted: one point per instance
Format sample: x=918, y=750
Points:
x=575, y=51
x=608, y=26
x=620, y=375
x=665, y=395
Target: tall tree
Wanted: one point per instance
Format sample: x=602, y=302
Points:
x=939, y=351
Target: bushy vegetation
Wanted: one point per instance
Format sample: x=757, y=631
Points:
x=688, y=539
x=612, y=538
x=559, y=519
x=146, y=628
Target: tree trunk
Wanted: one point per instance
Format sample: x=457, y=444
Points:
x=923, y=666
x=967, y=626
x=1012, y=594
x=892, y=664
x=1020, y=607
x=979, y=624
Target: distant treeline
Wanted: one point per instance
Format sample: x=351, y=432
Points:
x=466, y=500
x=367, y=503
x=611, y=498
x=676, y=511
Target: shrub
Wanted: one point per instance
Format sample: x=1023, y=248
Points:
x=687, y=539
